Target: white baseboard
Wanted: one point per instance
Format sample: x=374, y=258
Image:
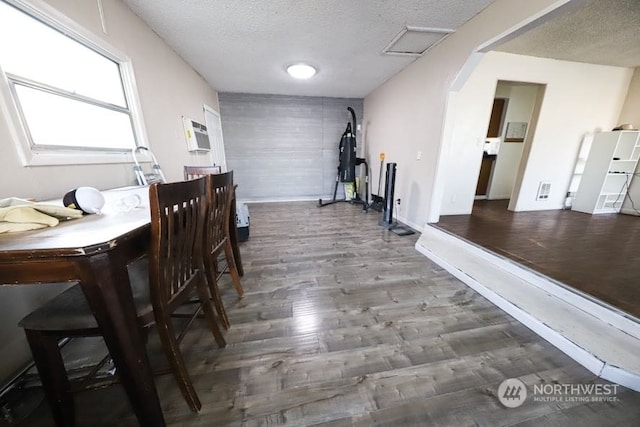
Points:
x=411, y=224
x=629, y=211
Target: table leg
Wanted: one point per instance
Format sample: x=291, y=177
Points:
x=105, y=282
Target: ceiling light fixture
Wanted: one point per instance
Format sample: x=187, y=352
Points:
x=301, y=71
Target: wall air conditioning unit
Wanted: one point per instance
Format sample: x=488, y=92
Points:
x=196, y=134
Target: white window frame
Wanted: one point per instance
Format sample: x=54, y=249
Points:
x=34, y=156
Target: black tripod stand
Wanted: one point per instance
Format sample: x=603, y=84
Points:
x=356, y=199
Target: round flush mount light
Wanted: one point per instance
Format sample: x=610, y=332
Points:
x=301, y=71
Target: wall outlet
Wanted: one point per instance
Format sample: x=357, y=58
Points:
x=419, y=155
x=397, y=201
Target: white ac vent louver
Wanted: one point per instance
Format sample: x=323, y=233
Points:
x=544, y=189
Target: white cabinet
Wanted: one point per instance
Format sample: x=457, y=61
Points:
x=608, y=172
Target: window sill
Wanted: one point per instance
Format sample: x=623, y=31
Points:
x=48, y=158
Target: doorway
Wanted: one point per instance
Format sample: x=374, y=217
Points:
x=509, y=136
x=214, y=124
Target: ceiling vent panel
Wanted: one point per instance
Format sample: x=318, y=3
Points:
x=414, y=41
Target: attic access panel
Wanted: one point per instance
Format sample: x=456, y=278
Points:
x=414, y=41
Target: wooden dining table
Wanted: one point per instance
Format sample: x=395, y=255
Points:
x=95, y=251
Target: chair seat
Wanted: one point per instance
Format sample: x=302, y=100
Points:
x=70, y=311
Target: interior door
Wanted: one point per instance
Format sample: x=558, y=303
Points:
x=214, y=126
x=497, y=116
x=494, y=130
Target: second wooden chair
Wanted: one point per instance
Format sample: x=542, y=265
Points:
x=221, y=232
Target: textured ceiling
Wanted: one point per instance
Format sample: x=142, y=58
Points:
x=245, y=45
x=599, y=32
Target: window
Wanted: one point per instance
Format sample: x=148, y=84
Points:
x=69, y=97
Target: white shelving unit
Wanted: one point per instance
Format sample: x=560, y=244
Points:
x=608, y=172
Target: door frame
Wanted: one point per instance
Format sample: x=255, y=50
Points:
x=213, y=122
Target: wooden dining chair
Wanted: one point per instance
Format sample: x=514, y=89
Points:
x=191, y=172
x=160, y=284
x=217, y=241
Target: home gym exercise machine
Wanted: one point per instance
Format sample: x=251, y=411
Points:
x=347, y=162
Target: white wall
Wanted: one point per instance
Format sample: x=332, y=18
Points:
x=579, y=98
x=631, y=109
x=519, y=108
x=169, y=88
x=631, y=114
x=407, y=113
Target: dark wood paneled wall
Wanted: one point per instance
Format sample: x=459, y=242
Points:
x=284, y=147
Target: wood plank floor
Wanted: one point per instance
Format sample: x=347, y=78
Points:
x=346, y=324
x=595, y=254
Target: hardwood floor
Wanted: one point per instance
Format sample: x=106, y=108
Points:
x=595, y=254
x=344, y=323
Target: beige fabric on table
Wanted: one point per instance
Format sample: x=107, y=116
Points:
x=22, y=215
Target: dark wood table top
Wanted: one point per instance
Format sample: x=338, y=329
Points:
x=84, y=236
